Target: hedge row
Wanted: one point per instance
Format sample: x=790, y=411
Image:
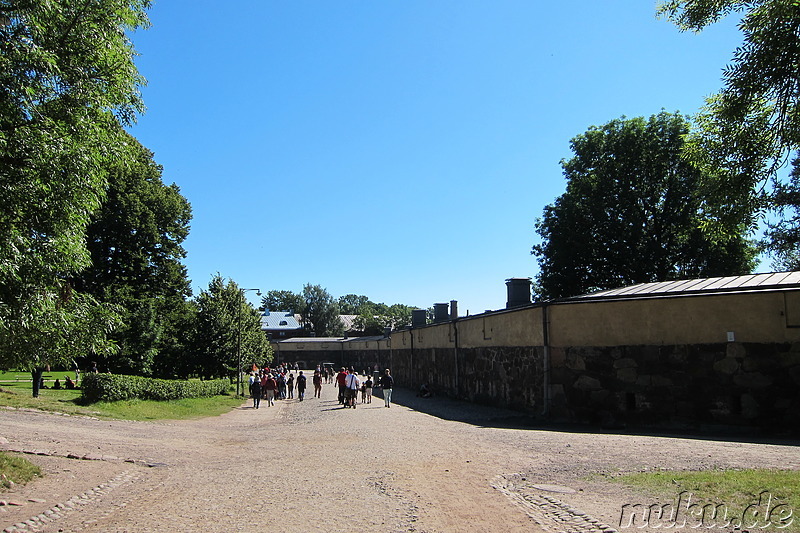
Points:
x=112, y=387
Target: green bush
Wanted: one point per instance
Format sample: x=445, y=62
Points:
x=112, y=388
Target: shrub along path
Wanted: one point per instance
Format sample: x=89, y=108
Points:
x=429, y=466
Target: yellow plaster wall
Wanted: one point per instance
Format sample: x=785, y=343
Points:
x=752, y=317
x=515, y=328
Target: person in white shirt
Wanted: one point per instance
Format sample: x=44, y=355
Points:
x=353, y=384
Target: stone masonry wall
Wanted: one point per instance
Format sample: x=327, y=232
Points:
x=501, y=376
x=688, y=386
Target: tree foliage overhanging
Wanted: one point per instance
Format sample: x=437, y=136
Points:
x=68, y=81
x=751, y=128
x=631, y=214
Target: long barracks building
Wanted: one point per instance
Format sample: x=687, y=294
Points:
x=691, y=353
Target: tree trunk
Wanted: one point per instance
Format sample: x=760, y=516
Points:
x=36, y=374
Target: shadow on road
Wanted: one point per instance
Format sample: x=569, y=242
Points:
x=495, y=417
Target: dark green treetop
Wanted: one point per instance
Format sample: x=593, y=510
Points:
x=631, y=214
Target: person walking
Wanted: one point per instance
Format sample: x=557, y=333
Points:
x=386, y=384
x=317, y=380
x=301, y=386
x=290, y=386
x=341, y=382
x=270, y=385
x=368, y=389
x=280, y=393
x=255, y=392
x=351, y=394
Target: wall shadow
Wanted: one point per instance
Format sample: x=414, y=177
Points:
x=495, y=417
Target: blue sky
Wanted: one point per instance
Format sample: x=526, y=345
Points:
x=397, y=149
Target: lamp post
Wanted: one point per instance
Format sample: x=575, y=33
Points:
x=239, y=387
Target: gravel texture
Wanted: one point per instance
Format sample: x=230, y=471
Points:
x=424, y=465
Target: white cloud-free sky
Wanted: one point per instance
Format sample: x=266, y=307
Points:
x=397, y=149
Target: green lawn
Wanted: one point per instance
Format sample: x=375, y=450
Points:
x=15, y=391
x=769, y=497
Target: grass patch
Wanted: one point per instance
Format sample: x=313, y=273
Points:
x=60, y=401
x=173, y=410
x=739, y=490
x=16, y=390
x=15, y=470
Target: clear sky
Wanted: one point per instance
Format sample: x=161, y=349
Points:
x=399, y=149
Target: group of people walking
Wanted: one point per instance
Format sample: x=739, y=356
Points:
x=280, y=383
x=350, y=386
x=277, y=384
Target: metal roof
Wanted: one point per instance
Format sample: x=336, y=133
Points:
x=279, y=320
x=749, y=282
x=295, y=340
x=348, y=322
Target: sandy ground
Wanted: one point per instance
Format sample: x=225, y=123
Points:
x=424, y=465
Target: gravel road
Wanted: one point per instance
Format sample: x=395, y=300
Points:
x=424, y=465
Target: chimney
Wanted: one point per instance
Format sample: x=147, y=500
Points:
x=419, y=317
x=519, y=292
x=440, y=313
x=453, y=309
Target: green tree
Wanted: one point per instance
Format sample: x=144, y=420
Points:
x=228, y=327
x=783, y=235
x=352, y=304
x=177, y=355
x=751, y=128
x=374, y=318
x=67, y=79
x=631, y=214
x=136, y=246
x=321, y=312
x=283, y=301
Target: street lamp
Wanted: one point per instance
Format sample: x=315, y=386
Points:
x=239, y=386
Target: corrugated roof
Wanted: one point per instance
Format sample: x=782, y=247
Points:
x=749, y=282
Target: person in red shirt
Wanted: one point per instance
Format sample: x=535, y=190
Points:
x=269, y=385
x=341, y=381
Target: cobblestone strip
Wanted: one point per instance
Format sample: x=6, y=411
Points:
x=86, y=457
x=38, y=522
x=550, y=513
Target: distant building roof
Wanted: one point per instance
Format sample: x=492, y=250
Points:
x=348, y=321
x=331, y=339
x=749, y=282
x=279, y=320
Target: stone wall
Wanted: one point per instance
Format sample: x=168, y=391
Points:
x=659, y=362
x=501, y=376
x=685, y=386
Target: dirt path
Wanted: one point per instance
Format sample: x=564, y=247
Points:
x=313, y=466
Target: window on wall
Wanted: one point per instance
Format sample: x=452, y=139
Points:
x=792, y=309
